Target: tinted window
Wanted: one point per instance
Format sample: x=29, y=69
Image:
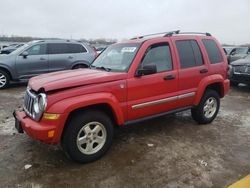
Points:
x=76, y=48
x=189, y=53
x=58, y=48
x=159, y=55
x=197, y=53
x=38, y=49
x=212, y=51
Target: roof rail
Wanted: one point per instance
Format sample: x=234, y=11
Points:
x=162, y=33
x=171, y=33
x=190, y=33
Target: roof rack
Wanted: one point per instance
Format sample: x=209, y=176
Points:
x=162, y=33
x=171, y=33
x=190, y=33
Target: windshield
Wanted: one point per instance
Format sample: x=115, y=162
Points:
x=241, y=50
x=117, y=57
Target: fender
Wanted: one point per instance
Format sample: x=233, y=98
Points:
x=217, y=78
x=68, y=105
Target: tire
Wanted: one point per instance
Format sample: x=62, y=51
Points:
x=80, y=66
x=210, y=101
x=233, y=83
x=82, y=127
x=4, y=79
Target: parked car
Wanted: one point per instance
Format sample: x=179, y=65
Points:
x=100, y=49
x=129, y=82
x=238, y=53
x=10, y=49
x=2, y=46
x=45, y=56
x=240, y=71
x=228, y=49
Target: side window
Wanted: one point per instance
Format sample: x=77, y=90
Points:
x=189, y=53
x=76, y=48
x=58, y=48
x=38, y=49
x=159, y=55
x=197, y=53
x=213, y=51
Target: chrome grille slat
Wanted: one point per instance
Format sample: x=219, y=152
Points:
x=29, y=99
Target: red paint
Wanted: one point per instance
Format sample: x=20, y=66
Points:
x=86, y=87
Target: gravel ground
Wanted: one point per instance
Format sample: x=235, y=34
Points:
x=171, y=151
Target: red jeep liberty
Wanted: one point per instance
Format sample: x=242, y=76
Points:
x=130, y=81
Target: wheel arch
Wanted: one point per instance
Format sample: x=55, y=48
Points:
x=214, y=82
x=85, y=63
x=7, y=71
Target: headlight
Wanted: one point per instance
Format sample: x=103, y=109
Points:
x=39, y=105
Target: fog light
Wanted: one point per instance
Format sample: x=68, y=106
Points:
x=51, y=134
x=51, y=116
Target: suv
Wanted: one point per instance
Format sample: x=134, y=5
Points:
x=240, y=71
x=38, y=57
x=129, y=82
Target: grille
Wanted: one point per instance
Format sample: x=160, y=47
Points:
x=29, y=100
x=242, y=69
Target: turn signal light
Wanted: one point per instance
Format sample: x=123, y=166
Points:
x=51, y=116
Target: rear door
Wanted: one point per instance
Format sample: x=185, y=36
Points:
x=155, y=93
x=60, y=58
x=192, y=69
x=34, y=64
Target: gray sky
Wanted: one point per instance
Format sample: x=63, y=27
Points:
x=228, y=20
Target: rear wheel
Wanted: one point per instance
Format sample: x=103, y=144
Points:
x=80, y=66
x=4, y=79
x=208, y=108
x=88, y=136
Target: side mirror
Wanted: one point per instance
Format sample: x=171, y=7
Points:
x=146, y=70
x=25, y=54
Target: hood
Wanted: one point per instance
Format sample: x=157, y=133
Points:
x=73, y=78
x=245, y=61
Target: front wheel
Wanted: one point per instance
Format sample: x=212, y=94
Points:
x=208, y=108
x=4, y=79
x=88, y=136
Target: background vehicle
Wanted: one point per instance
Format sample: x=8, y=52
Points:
x=228, y=49
x=10, y=48
x=38, y=57
x=100, y=49
x=129, y=82
x=238, y=53
x=240, y=71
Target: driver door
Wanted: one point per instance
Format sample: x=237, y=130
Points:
x=154, y=93
x=33, y=63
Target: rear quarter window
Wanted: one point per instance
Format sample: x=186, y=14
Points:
x=76, y=48
x=213, y=51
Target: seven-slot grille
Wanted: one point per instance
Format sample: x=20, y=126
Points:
x=242, y=69
x=29, y=100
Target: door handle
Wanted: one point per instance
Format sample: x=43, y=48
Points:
x=42, y=59
x=202, y=71
x=169, y=77
x=70, y=57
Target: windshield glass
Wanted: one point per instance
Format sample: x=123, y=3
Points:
x=241, y=50
x=117, y=57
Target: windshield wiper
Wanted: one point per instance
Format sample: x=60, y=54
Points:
x=102, y=68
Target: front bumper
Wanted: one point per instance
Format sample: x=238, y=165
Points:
x=39, y=130
x=240, y=78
